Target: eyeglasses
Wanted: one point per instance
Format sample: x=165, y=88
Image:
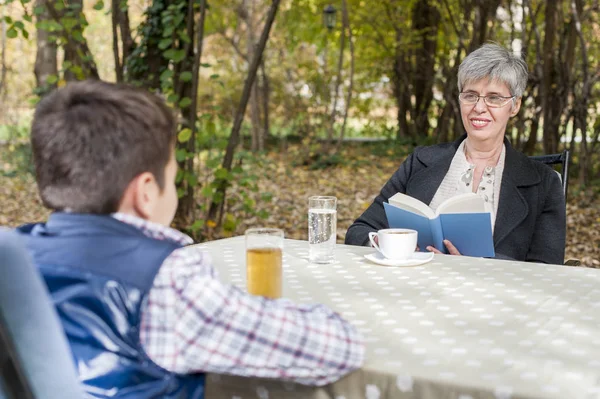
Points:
x=492, y=101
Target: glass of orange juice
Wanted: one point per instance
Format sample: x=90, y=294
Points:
x=264, y=249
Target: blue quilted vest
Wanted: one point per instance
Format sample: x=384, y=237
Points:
x=99, y=272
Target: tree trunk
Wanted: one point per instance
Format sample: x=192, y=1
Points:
x=426, y=21
x=548, y=92
x=257, y=144
x=186, y=211
x=400, y=87
x=45, y=57
x=128, y=44
x=241, y=109
x=76, y=51
x=115, y=40
x=122, y=50
x=450, y=95
x=346, y=24
x=3, y=69
x=581, y=102
x=146, y=62
x=336, y=88
x=265, y=95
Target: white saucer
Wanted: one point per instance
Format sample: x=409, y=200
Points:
x=417, y=258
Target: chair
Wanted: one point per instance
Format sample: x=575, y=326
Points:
x=554, y=159
x=35, y=359
x=563, y=159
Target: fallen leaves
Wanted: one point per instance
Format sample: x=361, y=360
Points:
x=355, y=186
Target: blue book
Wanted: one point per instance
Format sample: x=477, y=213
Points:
x=461, y=219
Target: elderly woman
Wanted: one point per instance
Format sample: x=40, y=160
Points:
x=524, y=196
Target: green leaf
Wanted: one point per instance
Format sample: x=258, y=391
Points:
x=184, y=37
x=185, y=76
x=211, y=128
x=38, y=10
x=222, y=144
x=164, y=43
x=8, y=20
x=167, y=74
x=229, y=223
x=99, y=5
x=52, y=79
x=185, y=102
x=197, y=225
x=205, y=65
x=222, y=173
x=178, y=56
x=267, y=197
x=180, y=155
x=27, y=18
x=68, y=23
x=184, y=135
x=172, y=98
x=206, y=192
x=263, y=214
x=218, y=197
x=191, y=179
x=214, y=76
x=25, y=34
x=213, y=163
x=11, y=33
x=169, y=54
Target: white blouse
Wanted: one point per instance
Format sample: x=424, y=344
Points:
x=459, y=180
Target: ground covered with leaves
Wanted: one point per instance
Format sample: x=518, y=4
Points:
x=355, y=181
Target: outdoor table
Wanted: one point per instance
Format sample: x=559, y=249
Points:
x=456, y=327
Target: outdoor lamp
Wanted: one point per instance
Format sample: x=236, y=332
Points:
x=329, y=16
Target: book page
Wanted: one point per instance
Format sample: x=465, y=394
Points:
x=463, y=203
x=411, y=204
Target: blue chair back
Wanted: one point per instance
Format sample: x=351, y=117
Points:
x=35, y=358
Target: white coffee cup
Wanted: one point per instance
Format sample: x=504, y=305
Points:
x=395, y=244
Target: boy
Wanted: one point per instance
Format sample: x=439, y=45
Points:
x=146, y=316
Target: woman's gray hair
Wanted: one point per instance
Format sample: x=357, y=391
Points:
x=494, y=62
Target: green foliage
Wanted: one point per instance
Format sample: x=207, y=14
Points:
x=323, y=161
x=15, y=151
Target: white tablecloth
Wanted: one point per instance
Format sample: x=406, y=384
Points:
x=457, y=327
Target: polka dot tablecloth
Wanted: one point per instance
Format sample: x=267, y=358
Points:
x=456, y=327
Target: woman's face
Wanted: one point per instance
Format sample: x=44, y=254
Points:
x=483, y=123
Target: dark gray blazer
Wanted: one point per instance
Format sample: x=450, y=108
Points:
x=531, y=220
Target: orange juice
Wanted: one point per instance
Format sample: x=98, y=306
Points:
x=263, y=271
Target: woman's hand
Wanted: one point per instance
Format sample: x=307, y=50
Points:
x=451, y=248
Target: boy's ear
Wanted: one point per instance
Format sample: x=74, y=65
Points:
x=146, y=194
x=140, y=197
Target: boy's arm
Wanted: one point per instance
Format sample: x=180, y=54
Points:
x=194, y=323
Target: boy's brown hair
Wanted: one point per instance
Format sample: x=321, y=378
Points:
x=90, y=139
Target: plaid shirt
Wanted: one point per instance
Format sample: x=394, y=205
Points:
x=192, y=322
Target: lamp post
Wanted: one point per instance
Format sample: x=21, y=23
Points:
x=329, y=17
x=328, y=22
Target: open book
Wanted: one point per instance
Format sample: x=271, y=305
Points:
x=461, y=219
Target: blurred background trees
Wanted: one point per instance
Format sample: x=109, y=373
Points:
x=248, y=76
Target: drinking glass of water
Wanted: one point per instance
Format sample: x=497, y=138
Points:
x=322, y=223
